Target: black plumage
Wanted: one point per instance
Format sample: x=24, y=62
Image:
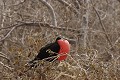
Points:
x=48, y=52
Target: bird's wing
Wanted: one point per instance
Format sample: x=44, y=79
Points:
x=46, y=47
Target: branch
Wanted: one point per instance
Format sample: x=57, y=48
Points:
x=6, y=66
x=59, y=75
x=54, y=21
x=37, y=24
x=7, y=27
x=13, y=27
x=85, y=25
x=8, y=34
x=70, y=76
x=103, y=28
x=3, y=14
x=2, y=53
x=5, y=57
x=69, y=6
x=77, y=4
x=117, y=41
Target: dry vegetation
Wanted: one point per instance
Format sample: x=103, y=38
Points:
x=91, y=26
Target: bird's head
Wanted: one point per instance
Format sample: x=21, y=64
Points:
x=58, y=38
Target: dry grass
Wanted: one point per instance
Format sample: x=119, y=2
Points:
x=91, y=26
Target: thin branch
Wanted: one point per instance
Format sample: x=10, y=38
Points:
x=13, y=27
x=117, y=41
x=5, y=57
x=2, y=54
x=78, y=4
x=17, y=3
x=63, y=73
x=7, y=27
x=103, y=28
x=3, y=14
x=54, y=21
x=69, y=6
x=59, y=75
x=70, y=76
x=85, y=25
x=8, y=34
x=6, y=66
x=37, y=24
x=42, y=25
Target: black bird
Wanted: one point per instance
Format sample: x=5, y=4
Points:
x=49, y=52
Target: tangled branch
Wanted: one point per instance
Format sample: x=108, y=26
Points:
x=103, y=27
x=69, y=6
x=6, y=66
x=54, y=21
x=37, y=24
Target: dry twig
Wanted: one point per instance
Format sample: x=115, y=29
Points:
x=69, y=6
x=4, y=57
x=103, y=28
x=6, y=66
x=36, y=24
x=54, y=21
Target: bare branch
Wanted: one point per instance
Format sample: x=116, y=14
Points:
x=6, y=66
x=78, y=4
x=2, y=54
x=3, y=14
x=7, y=27
x=18, y=3
x=64, y=73
x=8, y=34
x=59, y=75
x=85, y=25
x=103, y=27
x=117, y=41
x=69, y=6
x=54, y=21
x=13, y=27
x=37, y=24
x=70, y=76
x=4, y=57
